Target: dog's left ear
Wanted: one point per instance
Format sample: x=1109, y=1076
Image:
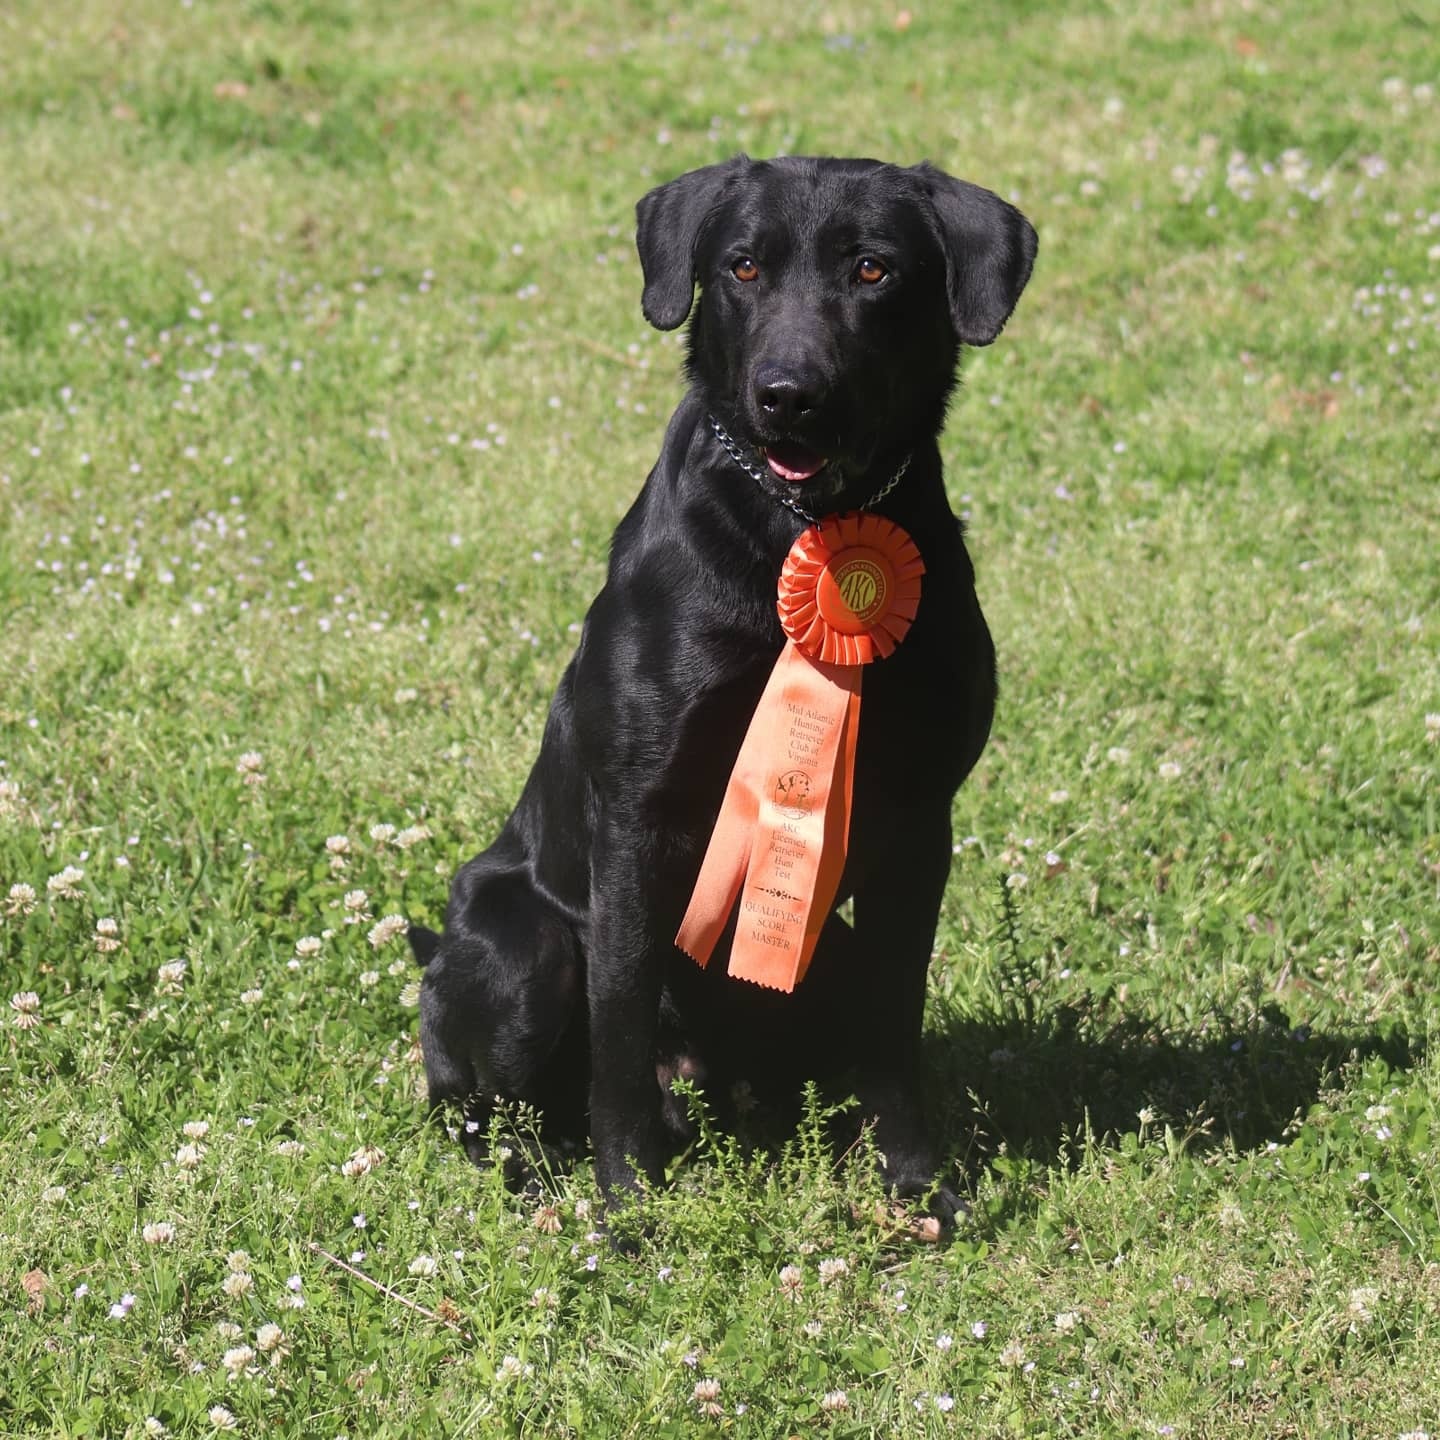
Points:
x=669, y=222
x=989, y=251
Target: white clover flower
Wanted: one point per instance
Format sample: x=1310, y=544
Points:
x=1363, y=1300
x=107, y=935
x=65, y=885
x=511, y=1368
x=170, y=977
x=53, y=1194
x=412, y=835
x=236, y=1261
x=423, y=1265
x=228, y=1330
x=387, y=929
x=1117, y=755
x=706, y=1396
x=221, y=1418
x=356, y=903
x=154, y=1425
x=1066, y=1321
x=945, y=1403
x=1013, y=1355
x=195, y=1129
x=158, y=1232
x=834, y=1400
x=237, y=1283
x=1170, y=770
x=252, y=997
x=20, y=901
x=410, y=994
x=26, y=1005
x=338, y=844
x=547, y=1220
x=979, y=1329
x=369, y=979
x=832, y=1270
x=187, y=1157
x=944, y=1341
x=238, y=1360
x=362, y=1162
x=382, y=834
x=307, y=946
x=791, y=1279
x=250, y=763
x=290, y=1148
x=269, y=1337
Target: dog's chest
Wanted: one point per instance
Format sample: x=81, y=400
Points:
x=914, y=707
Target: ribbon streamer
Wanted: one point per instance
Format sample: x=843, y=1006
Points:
x=848, y=592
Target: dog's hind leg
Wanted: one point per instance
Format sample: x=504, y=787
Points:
x=423, y=944
x=497, y=1003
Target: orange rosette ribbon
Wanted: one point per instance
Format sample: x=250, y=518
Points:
x=849, y=590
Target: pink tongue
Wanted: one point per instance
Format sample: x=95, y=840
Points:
x=794, y=462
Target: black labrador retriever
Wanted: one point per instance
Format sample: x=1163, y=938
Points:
x=834, y=298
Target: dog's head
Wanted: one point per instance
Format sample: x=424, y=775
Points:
x=834, y=297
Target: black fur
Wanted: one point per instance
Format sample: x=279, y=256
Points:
x=557, y=981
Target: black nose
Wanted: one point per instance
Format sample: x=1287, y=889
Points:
x=787, y=393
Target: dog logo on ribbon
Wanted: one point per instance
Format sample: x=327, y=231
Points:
x=792, y=794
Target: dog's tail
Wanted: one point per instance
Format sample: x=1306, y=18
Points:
x=423, y=942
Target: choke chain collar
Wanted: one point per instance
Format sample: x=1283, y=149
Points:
x=758, y=475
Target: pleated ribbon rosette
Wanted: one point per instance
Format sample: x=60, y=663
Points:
x=849, y=589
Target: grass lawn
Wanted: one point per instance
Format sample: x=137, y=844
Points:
x=323, y=381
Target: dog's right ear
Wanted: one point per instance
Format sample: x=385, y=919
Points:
x=669, y=220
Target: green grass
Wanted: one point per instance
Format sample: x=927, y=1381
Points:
x=277, y=280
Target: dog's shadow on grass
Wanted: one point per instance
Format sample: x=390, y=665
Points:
x=1032, y=1082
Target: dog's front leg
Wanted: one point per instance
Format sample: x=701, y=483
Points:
x=624, y=976
x=895, y=915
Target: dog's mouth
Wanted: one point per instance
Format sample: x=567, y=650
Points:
x=793, y=462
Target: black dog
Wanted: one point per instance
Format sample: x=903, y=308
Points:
x=834, y=298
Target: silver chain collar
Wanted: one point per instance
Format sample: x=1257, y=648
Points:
x=758, y=475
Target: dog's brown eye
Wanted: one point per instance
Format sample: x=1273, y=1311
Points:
x=745, y=269
x=870, y=271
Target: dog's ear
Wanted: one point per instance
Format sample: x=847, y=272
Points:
x=669, y=220
x=989, y=251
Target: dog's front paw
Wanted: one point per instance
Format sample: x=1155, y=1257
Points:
x=943, y=1205
x=946, y=1207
